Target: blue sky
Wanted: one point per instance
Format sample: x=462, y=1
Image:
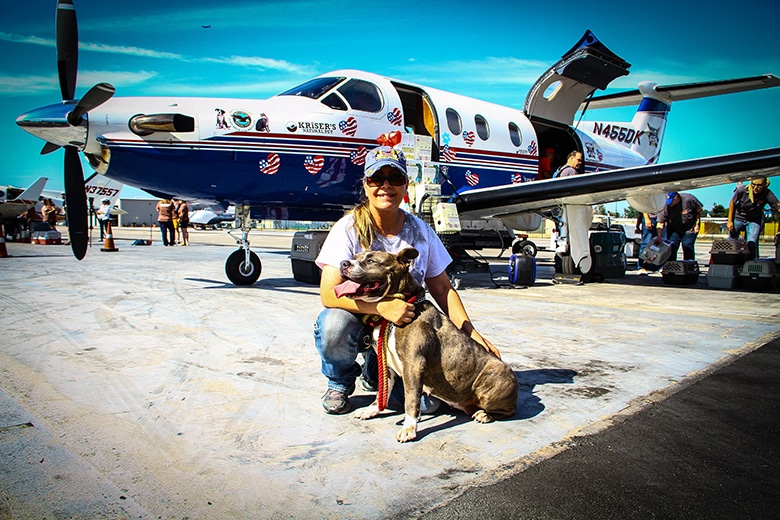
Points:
x=493, y=51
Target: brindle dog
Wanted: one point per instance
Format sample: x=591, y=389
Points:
x=430, y=354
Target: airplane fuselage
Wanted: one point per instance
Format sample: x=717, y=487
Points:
x=300, y=154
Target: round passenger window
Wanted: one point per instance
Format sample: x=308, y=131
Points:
x=483, y=130
x=453, y=122
x=515, y=135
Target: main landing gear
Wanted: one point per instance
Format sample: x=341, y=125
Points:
x=243, y=266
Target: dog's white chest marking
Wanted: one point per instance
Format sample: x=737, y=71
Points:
x=392, y=361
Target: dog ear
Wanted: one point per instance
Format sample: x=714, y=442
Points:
x=405, y=256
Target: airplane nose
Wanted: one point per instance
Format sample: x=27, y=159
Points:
x=50, y=123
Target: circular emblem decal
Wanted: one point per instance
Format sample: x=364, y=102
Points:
x=241, y=119
x=291, y=126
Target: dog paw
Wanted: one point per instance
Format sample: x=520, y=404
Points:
x=406, y=434
x=481, y=416
x=367, y=413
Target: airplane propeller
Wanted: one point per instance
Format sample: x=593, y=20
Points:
x=67, y=70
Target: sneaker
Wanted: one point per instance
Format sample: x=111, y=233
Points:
x=335, y=402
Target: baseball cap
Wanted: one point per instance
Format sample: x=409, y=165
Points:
x=384, y=156
x=106, y=199
x=670, y=197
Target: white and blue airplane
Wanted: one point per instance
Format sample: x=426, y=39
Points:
x=299, y=155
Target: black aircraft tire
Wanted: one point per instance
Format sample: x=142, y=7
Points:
x=526, y=246
x=238, y=272
x=567, y=264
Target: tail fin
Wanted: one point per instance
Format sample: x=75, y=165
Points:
x=34, y=191
x=99, y=187
x=650, y=122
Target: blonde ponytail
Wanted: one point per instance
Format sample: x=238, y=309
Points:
x=364, y=224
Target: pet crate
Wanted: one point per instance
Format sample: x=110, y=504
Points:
x=680, y=272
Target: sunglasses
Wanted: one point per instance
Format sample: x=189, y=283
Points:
x=395, y=179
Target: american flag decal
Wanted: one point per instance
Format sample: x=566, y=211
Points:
x=472, y=178
x=359, y=156
x=270, y=165
x=395, y=116
x=517, y=178
x=468, y=137
x=314, y=164
x=447, y=153
x=599, y=154
x=349, y=127
x=532, y=148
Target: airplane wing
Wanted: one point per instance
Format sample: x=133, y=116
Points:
x=616, y=185
x=684, y=91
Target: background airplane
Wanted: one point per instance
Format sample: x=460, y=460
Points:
x=15, y=201
x=307, y=142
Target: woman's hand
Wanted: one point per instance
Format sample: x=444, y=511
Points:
x=476, y=336
x=396, y=311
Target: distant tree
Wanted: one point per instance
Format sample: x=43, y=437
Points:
x=599, y=209
x=719, y=211
x=630, y=212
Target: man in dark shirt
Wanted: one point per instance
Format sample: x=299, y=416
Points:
x=680, y=221
x=746, y=212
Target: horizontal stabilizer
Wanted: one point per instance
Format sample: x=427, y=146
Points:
x=684, y=91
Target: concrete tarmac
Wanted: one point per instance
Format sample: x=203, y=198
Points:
x=142, y=384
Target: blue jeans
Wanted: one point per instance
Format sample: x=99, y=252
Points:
x=167, y=230
x=752, y=231
x=648, y=234
x=686, y=239
x=339, y=337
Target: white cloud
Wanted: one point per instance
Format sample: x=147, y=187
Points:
x=26, y=85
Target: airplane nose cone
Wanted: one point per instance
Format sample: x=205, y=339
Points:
x=50, y=123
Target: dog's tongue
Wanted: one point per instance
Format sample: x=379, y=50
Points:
x=346, y=288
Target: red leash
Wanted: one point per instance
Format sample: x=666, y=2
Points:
x=381, y=345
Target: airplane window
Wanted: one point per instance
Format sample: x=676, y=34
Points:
x=550, y=91
x=515, y=135
x=361, y=95
x=334, y=101
x=453, y=122
x=313, y=88
x=483, y=131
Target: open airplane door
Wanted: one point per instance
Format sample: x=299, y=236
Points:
x=555, y=98
x=560, y=91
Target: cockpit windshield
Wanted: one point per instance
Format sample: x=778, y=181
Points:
x=314, y=88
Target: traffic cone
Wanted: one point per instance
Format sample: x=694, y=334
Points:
x=108, y=245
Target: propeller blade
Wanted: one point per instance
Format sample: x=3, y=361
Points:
x=94, y=97
x=67, y=48
x=76, y=203
x=49, y=148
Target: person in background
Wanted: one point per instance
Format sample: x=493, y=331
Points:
x=680, y=221
x=176, y=232
x=746, y=212
x=49, y=212
x=545, y=164
x=377, y=223
x=572, y=166
x=103, y=215
x=184, y=222
x=165, y=211
x=645, y=225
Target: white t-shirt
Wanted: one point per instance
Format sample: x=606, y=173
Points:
x=342, y=244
